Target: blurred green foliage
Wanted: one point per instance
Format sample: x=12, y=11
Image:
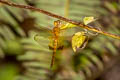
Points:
x=21, y=58
x=8, y=71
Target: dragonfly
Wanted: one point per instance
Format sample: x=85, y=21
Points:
x=56, y=43
x=56, y=35
x=79, y=39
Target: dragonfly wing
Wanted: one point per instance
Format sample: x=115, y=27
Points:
x=43, y=38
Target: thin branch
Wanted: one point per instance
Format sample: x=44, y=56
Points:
x=59, y=17
x=67, y=5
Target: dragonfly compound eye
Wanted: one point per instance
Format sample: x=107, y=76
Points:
x=57, y=23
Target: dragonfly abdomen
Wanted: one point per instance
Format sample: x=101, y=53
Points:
x=54, y=51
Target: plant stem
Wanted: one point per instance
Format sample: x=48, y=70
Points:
x=59, y=17
x=67, y=5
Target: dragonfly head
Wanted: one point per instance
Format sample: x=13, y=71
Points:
x=57, y=23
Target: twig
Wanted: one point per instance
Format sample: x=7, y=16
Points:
x=59, y=17
x=67, y=5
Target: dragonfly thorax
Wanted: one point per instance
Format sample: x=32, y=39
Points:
x=56, y=31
